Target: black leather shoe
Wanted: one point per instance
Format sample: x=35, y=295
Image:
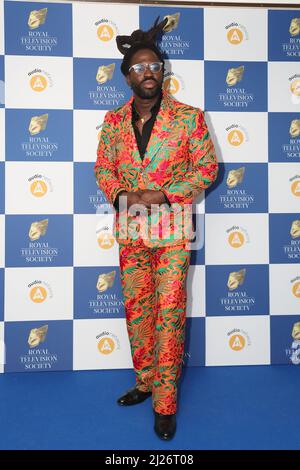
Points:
x=133, y=396
x=165, y=425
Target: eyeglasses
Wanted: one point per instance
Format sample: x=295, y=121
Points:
x=154, y=67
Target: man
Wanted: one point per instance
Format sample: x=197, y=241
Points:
x=143, y=159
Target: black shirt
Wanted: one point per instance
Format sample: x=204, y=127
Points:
x=142, y=139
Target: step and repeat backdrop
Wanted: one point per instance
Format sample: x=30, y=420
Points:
x=61, y=301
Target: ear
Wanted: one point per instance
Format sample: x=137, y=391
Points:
x=127, y=77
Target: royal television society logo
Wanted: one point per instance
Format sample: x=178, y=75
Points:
x=39, y=185
x=236, y=33
x=237, y=300
x=106, y=93
x=39, y=145
x=292, y=47
x=236, y=197
x=291, y=148
x=238, y=339
x=237, y=236
x=38, y=251
x=173, y=83
x=293, y=249
x=35, y=40
x=107, y=343
x=39, y=291
x=39, y=80
x=106, y=30
x=236, y=135
x=293, y=353
x=235, y=96
x=106, y=301
x=173, y=44
x=36, y=357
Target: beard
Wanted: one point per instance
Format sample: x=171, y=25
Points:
x=146, y=93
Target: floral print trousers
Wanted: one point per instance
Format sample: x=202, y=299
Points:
x=153, y=282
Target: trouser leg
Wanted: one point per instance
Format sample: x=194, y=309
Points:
x=139, y=301
x=170, y=268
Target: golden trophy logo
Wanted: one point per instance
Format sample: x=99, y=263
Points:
x=37, y=229
x=236, y=279
x=38, y=294
x=37, y=18
x=295, y=87
x=235, y=137
x=236, y=239
x=105, y=32
x=38, y=124
x=295, y=187
x=37, y=336
x=38, y=188
x=237, y=342
x=296, y=330
x=106, y=346
x=171, y=85
x=295, y=229
x=235, y=177
x=295, y=128
x=294, y=29
x=296, y=289
x=172, y=23
x=235, y=36
x=235, y=75
x=105, y=280
x=105, y=73
x=38, y=83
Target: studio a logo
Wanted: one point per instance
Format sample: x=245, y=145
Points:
x=235, y=35
x=38, y=294
x=295, y=185
x=105, y=32
x=235, y=137
x=105, y=239
x=38, y=188
x=38, y=82
x=106, y=346
x=236, y=239
x=296, y=289
x=295, y=88
x=237, y=342
x=171, y=85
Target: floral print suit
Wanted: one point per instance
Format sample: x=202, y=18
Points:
x=180, y=161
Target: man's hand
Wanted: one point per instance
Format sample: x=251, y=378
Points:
x=144, y=196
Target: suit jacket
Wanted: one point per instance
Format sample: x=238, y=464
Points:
x=180, y=161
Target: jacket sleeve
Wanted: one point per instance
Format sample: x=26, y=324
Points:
x=105, y=169
x=203, y=165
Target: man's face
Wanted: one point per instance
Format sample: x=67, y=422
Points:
x=147, y=84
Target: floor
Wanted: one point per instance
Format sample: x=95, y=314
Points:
x=250, y=407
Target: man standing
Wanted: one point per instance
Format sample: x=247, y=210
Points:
x=155, y=156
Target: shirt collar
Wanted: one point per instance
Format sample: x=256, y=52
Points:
x=154, y=109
